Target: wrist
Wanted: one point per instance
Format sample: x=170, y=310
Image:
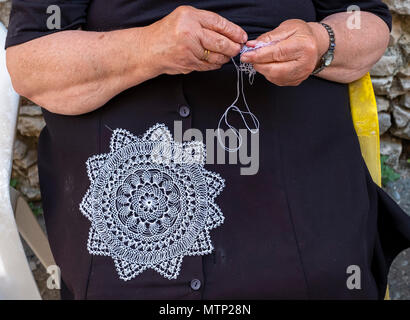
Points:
x=322, y=39
x=146, y=65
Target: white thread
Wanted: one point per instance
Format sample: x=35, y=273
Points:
x=147, y=213
x=246, y=68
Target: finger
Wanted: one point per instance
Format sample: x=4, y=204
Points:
x=196, y=64
x=286, y=50
x=218, y=43
x=210, y=57
x=217, y=58
x=282, y=73
x=219, y=24
x=214, y=58
x=198, y=51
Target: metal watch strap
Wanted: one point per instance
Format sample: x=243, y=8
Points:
x=331, y=49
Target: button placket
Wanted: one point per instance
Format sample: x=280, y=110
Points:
x=183, y=108
x=196, y=284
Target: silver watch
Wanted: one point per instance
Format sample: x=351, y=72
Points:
x=328, y=57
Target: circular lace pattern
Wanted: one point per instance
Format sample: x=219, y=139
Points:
x=151, y=202
x=148, y=202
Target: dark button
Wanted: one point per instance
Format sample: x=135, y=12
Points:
x=195, y=284
x=184, y=111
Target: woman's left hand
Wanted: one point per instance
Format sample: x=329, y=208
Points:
x=292, y=59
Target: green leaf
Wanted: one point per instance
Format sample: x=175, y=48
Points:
x=388, y=173
x=14, y=183
x=37, y=210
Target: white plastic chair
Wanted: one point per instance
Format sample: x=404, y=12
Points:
x=16, y=278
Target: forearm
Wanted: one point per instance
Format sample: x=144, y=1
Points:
x=75, y=72
x=357, y=50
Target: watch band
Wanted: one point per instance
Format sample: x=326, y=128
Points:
x=327, y=58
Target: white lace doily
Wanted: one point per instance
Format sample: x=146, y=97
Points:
x=151, y=202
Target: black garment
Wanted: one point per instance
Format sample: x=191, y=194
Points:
x=290, y=231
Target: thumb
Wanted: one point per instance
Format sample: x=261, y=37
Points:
x=281, y=33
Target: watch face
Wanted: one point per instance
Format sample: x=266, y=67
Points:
x=327, y=59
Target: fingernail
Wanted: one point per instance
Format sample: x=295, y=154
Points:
x=251, y=43
x=244, y=38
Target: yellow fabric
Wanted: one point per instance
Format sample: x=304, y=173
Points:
x=364, y=113
x=366, y=122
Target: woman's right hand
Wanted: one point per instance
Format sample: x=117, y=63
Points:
x=176, y=44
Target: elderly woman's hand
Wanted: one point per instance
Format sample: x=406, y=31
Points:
x=177, y=42
x=293, y=55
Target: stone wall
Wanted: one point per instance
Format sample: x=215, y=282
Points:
x=25, y=173
x=391, y=80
